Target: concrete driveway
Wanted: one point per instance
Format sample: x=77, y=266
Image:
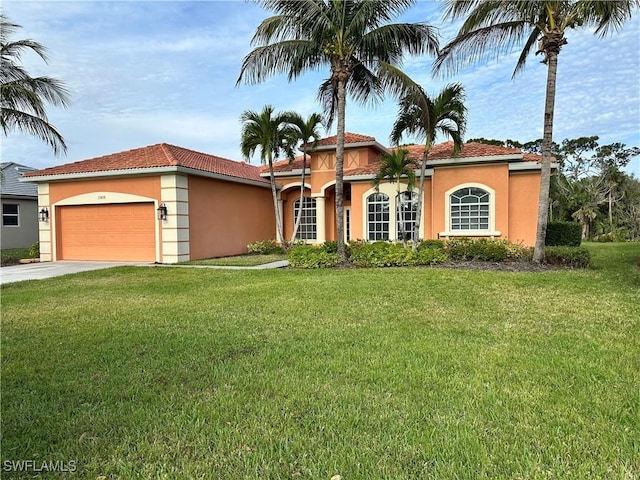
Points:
x=39, y=271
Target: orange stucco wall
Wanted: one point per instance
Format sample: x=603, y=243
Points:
x=493, y=176
x=224, y=217
x=524, y=190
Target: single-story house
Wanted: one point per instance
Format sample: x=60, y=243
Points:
x=483, y=191
x=19, y=207
x=168, y=204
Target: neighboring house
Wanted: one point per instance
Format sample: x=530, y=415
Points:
x=111, y=207
x=160, y=203
x=19, y=208
x=484, y=191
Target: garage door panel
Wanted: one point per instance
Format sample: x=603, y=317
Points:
x=124, y=232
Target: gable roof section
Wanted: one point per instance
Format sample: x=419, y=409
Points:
x=10, y=183
x=154, y=157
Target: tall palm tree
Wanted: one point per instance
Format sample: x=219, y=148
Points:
x=307, y=132
x=494, y=26
x=426, y=117
x=22, y=97
x=271, y=135
x=354, y=39
x=392, y=167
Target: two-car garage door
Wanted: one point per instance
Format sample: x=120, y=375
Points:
x=116, y=232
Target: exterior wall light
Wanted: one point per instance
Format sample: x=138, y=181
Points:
x=162, y=212
x=44, y=214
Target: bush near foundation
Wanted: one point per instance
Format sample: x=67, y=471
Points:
x=265, y=247
x=311, y=256
x=385, y=254
x=487, y=250
x=574, y=257
x=567, y=234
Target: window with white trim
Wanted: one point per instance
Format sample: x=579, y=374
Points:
x=308, y=227
x=378, y=216
x=10, y=215
x=406, y=211
x=469, y=209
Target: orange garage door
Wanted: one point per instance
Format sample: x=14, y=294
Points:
x=121, y=232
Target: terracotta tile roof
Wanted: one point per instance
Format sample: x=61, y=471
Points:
x=156, y=156
x=348, y=138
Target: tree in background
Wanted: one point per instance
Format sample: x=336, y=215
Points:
x=354, y=39
x=495, y=26
x=270, y=134
x=426, y=117
x=23, y=98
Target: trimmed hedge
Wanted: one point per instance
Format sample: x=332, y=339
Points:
x=311, y=256
x=266, y=247
x=575, y=257
x=568, y=234
x=385, y=254
x=486, y=250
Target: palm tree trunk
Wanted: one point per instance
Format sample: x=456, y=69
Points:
x=276, y=206
x=401, y=223
x=342, y=94
x=423, y=168
x=545, y=171
x=299, y=216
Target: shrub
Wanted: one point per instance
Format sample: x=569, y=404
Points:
x=575, y=257
x=386, y=254
x=34, y=250
x=567, y=234
x=431, y=243
x=330, y=247
x=487, y=250
x=310, y=256
x=266, y=247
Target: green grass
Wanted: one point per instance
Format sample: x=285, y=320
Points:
x=241, y=260
x=399, y=373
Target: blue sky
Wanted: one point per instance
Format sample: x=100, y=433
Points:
x=143, y=72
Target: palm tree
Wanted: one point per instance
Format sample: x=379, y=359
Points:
x=426, y=117
x=22, y=97
x=271, y=135
x=498, y=25
x=393, y=167
x=352, y=38
x=307, y=132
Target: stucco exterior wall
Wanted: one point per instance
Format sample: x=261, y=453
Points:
x=224, y=217
x=496, y=177
x=524, y=190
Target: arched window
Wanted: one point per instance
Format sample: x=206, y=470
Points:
x=469, y=209
x=308, y=228
x=406, y=210
x=378, y=216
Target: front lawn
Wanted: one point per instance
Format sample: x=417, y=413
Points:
x=424, y=373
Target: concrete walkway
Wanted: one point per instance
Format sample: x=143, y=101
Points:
x=278, y=264
x=42, y=270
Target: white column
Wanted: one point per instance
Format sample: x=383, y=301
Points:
x=321, y=234
x=279, y=239
x=44, y=228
